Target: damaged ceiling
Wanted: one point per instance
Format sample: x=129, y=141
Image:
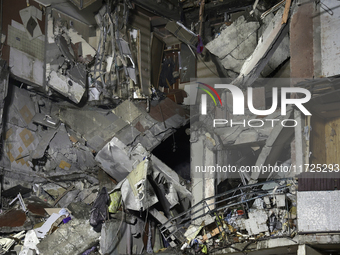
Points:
x=104, y=149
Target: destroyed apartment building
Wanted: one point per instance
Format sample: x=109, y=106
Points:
x=170, y=127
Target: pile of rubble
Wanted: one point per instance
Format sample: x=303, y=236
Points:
x=72, y=175
x=145, y=212
x=246, y=214
x=79, y=175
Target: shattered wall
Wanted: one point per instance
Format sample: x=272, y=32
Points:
x=82, y=116
x=233, y=53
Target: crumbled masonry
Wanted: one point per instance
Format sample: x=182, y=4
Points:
x=119, y=135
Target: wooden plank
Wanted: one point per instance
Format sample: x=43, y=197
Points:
x=157, y=48
x=142, y=22
x=317, y=143
x=201, y=14
x=332, y=133
x=286, y=12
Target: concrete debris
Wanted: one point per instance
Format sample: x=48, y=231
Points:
x=72, y=238
x=234, y=47
x=45, y=120
x=137, y=192
x=234, y=223
x=46, y=137
x=86, y=49
x=68, y=198
x=97, y=156
x=251, y=48
x=115, y=158
x=109, y=241
x=79, y=210
x=30, y=243
x=100, y=126
x=66, y=86
x=256, y=222
x=7, y=243
x=271, y=39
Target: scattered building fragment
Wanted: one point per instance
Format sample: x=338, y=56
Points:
x=97, y=155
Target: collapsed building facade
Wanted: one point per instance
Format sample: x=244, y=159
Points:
x=110, y=144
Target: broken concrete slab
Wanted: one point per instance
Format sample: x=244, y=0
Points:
x=68, y=198
x=235, y=44
x=72, y=238
x=22, y=109
x=97, y=127
x=257, y=222
x=65, y=157
x=44, y=141
x=79, y=210
x=73, y=177
x=149, y=132
x=88, y=196
x=54, y=189
x=266, y=47
x=115, y=158
x=20, y=144
x=105, y=180
x=109, y=241
x=66, y=86
x=137, y=192
x=127, y=111
x=45, y=120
